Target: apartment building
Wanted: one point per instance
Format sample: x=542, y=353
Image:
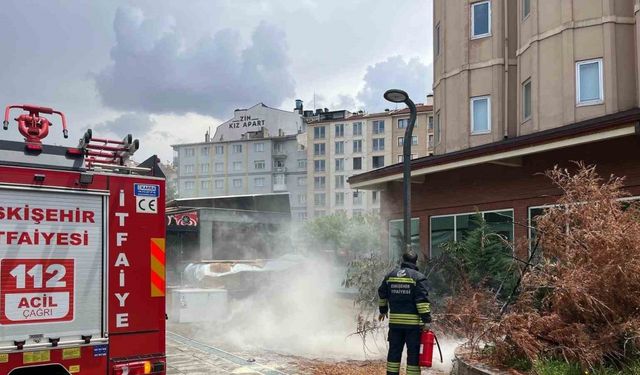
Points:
x=255, y=152
x=341, y=144
x=520, y=86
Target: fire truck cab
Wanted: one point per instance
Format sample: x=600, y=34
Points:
x=82, y=262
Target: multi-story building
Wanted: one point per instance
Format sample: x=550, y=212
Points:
x=520, y=86
x=256, y=152
x=341, y=144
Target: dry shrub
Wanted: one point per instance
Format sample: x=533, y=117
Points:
x=581, y=301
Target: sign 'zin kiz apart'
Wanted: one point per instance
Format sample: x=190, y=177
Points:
x=246, y=121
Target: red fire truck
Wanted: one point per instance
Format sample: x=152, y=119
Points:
x=82, y=240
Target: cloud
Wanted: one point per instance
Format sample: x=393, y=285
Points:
x=137, y=124
x=153, y=69
x=412, y=76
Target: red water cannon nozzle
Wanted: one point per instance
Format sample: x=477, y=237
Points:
x=32, y=126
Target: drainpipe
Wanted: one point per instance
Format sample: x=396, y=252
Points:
x=505, y=122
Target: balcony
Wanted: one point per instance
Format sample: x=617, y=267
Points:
x=280, y=169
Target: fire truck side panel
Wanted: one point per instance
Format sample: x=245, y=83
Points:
x=84, y=360
x=133, y=344
x=136, y=292
x=52, y=178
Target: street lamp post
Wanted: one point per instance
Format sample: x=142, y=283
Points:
x=399, y=96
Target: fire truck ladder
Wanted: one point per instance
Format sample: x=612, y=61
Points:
x=109, y=154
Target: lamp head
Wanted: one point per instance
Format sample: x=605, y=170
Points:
x=396, y=96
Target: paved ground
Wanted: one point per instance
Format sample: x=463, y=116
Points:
x=192, y=357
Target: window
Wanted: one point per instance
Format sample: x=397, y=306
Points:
x=302, y=163
x=358, y=197
x=302, y=181
x=403, y=123
x=378, y=127
x=219, y=167
x=445, y=229
x=480, y=115
x=319, y=165
x=400, y=141
x=357, y=129
x=319, y=183
x=188, y=185
x=378, y=144
x=339, y=182
x=339, y=130
x=302, y=199
x=237, y=149
x=204, y=168
x=400, y=158
x=430, y=126
x=319, y=149
x=189, y=152
x=378, y=161
x=589, y=82
x=237, y=166
x=357, y=146
x=219, y=184
x=526, y=8
x=258, y=147
x=301, y=216
x=188, y=168
x=339, y=148
x=436, y=40
x=319, y=199
x=339, y=165
x=526, y=100
x=278, y=148
x=437, y=130
x=396, y=237
x=414, y=139
x=204, y=151
x=357, y=163
x=339, y=199
x=374, y=196
x=318, y=132
x=278, y=163
x=258, y=181
x=205, y=185
x=219, y=150
x=259, y=164
x=237, y=182
x=430, y=140
x=280, y=179
x=480, y=19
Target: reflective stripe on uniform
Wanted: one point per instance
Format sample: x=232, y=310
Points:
x=393, y=366
x=423, y=307
x=402, y=280
x=407, y=319
x=382, y=302
x=413, y=370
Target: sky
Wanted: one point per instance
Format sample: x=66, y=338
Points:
x=166, y=71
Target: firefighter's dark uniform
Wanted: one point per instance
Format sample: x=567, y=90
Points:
x=403, y=295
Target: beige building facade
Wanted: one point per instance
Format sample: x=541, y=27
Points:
x=343, y=144
x=505, y=68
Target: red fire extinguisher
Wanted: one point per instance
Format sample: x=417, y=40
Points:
x=427, y=340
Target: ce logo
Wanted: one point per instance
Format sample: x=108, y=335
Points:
x=147, y=205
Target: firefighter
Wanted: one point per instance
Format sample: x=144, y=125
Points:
x=404, y=300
